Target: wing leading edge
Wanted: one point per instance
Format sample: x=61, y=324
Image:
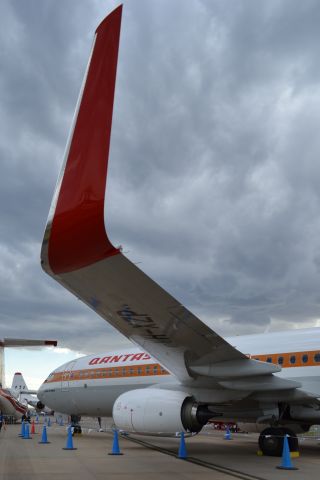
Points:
x=78, y=254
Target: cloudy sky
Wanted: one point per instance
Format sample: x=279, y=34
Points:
x=214, y=168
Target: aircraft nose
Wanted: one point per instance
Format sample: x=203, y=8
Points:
x=41, y=394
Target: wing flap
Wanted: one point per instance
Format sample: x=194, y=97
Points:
x=234, y=369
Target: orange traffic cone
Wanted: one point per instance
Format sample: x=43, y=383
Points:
x=33, y=430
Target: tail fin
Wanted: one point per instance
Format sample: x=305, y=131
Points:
x=18, y=384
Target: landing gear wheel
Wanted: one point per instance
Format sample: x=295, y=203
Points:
x=77, y=429
x=271, y=441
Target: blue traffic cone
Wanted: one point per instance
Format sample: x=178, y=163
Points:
x=49, y=422
x=228, y=434
x=44, y=438
x=26, y=432
x=286, y=459
x=21, y=434
x=69, y=444
x=115, y=444
x=182, y=447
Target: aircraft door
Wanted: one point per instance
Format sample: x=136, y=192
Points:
x=66, y=376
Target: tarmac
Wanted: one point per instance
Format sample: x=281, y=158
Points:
x=27, y=459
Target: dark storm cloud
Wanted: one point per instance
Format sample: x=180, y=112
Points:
x=214, y=172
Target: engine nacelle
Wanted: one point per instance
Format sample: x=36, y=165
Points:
x=154, y=411
x=40, y=406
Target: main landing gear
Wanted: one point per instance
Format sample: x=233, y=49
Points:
x=271, y=441
x=75, y=425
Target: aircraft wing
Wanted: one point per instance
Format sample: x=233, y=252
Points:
x=77, y=253
x=26, y=342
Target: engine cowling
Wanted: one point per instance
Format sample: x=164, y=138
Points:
x=40, y=406
x=154, y=411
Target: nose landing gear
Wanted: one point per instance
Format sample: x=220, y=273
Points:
x=75, y=424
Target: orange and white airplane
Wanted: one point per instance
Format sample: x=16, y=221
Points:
x=182, y=373
x=26, y=397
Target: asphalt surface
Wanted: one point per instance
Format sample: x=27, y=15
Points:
x=27, y=459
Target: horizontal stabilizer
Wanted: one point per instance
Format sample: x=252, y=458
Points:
x=20, y=342
x=24, y=342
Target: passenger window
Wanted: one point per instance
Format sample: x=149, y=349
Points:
x=280, y=360
x=293, y=359
x=317, y=357
x=269, y=360
x=123, y=372
x=305, y=358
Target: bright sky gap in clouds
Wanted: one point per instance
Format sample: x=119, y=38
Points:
x=214, y=168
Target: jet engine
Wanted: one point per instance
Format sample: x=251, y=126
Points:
x=154, y=411
x=40, y=406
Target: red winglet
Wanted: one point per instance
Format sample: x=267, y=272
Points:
x=78, y=237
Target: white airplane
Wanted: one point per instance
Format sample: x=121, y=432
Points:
x=27, y=397
x=185, y=373
x=10, y=404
